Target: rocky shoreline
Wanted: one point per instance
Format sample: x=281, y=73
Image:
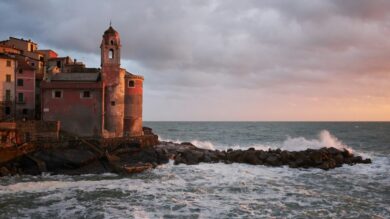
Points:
x=132, y=158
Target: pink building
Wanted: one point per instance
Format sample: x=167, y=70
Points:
x=25, y=90
x=105, y=103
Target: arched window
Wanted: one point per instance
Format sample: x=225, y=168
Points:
x=111, y=54
x=112, y=42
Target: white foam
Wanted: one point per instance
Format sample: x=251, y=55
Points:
x=200, y=144
x=325, y=139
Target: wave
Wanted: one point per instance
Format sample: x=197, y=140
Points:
x=324, y=139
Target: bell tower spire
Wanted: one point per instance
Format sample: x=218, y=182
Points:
x=110, y=48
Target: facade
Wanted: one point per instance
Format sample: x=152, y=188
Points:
x=8, y=65
x=28, y=49
x=25, y=90
x=74, y=99
x=91, y=102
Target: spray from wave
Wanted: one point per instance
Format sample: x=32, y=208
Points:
x=200, y=144
x=324, y=139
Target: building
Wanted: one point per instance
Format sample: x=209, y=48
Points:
x=28, y=49
x=89, y=102
x=25, y=90
x=8, y=65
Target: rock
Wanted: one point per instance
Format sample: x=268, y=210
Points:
x=251, y=158
x=4, y=171
x=273, y=160
x=262, y=155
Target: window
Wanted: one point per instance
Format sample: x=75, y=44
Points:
x=20, y=82
x=86, y=94
x=32, y=64
x=24, y=111
x=111, y=54
x=20, y=70
x=8, y=78
x=27, y=137
x=7, y=95
x=8, y=63
x=131, y=83
x=20, y=97
x=112, y=103
x=7, y=110
x=31, y=47
x=59, y=64
x=112, y=42
x=57, y=94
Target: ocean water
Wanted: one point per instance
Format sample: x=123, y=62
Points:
x=220, y=190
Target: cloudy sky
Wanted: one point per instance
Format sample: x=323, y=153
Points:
x=230, y=60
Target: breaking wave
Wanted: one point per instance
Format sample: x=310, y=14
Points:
x=324, y=139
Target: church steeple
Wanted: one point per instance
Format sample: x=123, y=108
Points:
x=110, y=48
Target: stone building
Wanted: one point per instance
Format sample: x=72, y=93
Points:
x=25, y=90
x=91, y=102
x=8, y=65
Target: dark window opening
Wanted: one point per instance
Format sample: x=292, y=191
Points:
x=59, y=64
x=27, y=137
x=7, y=95
x=112, y=42
x=86, y=94
x=112, y=103
x=24, y=111
x=8, y=78
x=20, y=82
x=32, y=64
x=20, y=70
x=57, y=94
x=41, y=58
x=8, y=63
x=20, y=97
x=31, y=47
x=7, y=110
x=131, y=83
x=111, y=54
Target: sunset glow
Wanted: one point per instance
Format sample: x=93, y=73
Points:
x=232, y=60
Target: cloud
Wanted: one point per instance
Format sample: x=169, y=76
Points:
x=268, y=47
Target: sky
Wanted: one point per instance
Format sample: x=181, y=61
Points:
x=228, y=60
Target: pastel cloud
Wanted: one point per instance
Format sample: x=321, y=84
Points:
x=231, y=60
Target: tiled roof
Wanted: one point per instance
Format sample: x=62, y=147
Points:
x=131, y=75
x=75, y=77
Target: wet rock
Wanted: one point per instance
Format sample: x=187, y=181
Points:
x=273, y=160
x=4, y=171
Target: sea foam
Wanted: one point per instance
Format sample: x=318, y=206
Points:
x=324, y=139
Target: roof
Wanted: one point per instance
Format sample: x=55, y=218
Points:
x=110, y=30
x=6, y=56
x=21, y=39
x=22, y=64
x=82, y=77
x=131, y=75
x=59, y=58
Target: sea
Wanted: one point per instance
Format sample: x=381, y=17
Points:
x=223, y=190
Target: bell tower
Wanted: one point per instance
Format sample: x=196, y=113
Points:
x=113, y=78
x=110, y=49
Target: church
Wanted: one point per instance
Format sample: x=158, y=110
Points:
x=105, y=102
